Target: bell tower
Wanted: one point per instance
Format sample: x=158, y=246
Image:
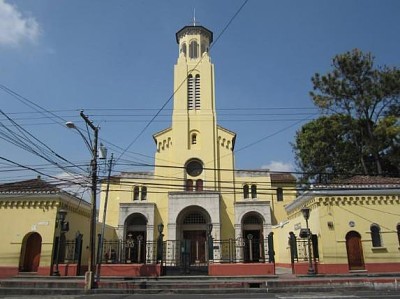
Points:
x=194, y=136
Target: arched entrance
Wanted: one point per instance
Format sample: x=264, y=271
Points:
x=355, y=254
x=193, y=231
x=253, y=237
x=30, y=253
x=135, y=238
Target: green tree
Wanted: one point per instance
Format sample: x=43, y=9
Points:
x=324, y=149
x=369, y=97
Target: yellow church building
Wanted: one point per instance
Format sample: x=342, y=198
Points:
x=195, y=195
x=195, y=213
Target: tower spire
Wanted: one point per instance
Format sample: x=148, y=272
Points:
x=194, y=16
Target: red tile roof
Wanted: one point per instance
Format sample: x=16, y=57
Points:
x=370, y=180
x=282, y=177
x=29, y=186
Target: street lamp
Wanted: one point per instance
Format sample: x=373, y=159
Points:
x=160, y=229
x=210, y=242
x=90, y=283
x=60, y=229
x=306, y=215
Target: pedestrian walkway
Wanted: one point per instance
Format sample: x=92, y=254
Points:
x=283, y=282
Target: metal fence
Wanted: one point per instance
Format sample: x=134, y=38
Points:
x=131, y=251
x=69, y=252
x=178, y=252
x=299, y=248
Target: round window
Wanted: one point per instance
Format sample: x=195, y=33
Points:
x=194, y=168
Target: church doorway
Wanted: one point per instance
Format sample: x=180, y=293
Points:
x=196, y=243
x=253, y=238
x=135, y=239
x=30, y=253
x=194, y=239
x=355, y=254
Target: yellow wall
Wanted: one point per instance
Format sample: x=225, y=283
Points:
x=25, y=214
x=332, y=217
x=174, y=147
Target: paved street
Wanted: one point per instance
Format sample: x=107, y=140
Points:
x=330, y=295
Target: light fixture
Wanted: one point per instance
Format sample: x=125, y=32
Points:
x=160, y=227
x=306, y=214
x=90, y=282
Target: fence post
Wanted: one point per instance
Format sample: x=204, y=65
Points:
x=271, y=251
x=78, y=252
x=293, y=249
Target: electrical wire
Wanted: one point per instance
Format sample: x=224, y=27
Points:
x=181, y=84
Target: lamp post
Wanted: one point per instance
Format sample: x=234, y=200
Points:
x=160, y=247
x=306, y=215
x=210, y=242
x=160, y=229
x=90, y=282
x=59, y=224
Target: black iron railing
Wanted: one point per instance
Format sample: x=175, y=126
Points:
x=178, y=252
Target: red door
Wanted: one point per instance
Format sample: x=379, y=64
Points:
x=197, y=245
x=355, y=254
x=33, y=247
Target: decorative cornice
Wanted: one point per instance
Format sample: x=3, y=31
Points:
x=45, y=201
x=194, y=30
x=357, y=199
x=26, y=203
x=309, y=196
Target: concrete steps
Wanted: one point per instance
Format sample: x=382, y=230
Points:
x=192, y=284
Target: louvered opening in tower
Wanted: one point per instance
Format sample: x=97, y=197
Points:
x=197, y=92
x=190, y=92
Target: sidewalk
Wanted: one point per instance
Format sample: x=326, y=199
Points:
x=283, y=282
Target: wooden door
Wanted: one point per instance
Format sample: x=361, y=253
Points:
x=197, y=245
x=33, y=248
x=355, y=254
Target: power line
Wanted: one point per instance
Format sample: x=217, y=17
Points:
x=181, y=84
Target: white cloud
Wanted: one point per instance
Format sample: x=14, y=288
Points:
x=75, y=184
x=16, y=28
x=279, y=166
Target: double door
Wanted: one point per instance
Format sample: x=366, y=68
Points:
x=193, y=247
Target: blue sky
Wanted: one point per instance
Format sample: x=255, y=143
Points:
x=115, y=59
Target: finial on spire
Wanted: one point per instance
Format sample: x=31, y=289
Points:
x=194, y=16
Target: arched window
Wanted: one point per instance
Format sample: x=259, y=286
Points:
x=199, y=185
x=136, y=193
x=253, y=191
x=252, y=219
x=398, y=232
x=203, y=48
x=144, y=193
x=189, y=185
x=197, y=92
x=194, y=218
x=376, y=235
x=279, y=194
x=190, y=82
x=246, y=191
x=183, y=49
x=193, y=50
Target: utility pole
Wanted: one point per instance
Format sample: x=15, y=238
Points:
x=101, y=245
x=90, y=282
